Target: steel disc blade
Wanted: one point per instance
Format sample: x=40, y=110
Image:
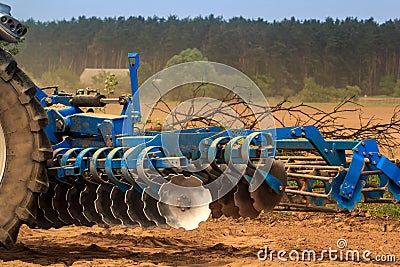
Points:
x=103, y=205
x=41, y=221
x=133, y=200
x=45, y=206
x=86, y=199
x=227, y=202
x=265, y=198
x=229, y=209
x=119, y=208
x=74, y=207
x=216, y=206
x=186, y=213
x=187, y=218
x=244, y=202
x=60, y=204
x=151, y=211
x=215, y=189
x=216, y=209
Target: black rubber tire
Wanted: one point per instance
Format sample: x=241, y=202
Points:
x=22, y=119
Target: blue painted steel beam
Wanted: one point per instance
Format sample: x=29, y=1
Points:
x=134, y=64
x=314, y=136
x=307, y=145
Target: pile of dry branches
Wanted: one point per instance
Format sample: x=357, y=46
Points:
x=332, y=122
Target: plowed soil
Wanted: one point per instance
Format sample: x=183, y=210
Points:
x=222, y=242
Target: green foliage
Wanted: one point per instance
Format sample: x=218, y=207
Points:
x=396, y=90
x=99, y=80
x=350, y=90
x=110, y=84
x=265, y=83
x=381, y=210
x=387, y=85
x=313, y=92
x=285, y=92
x=335, y=52
x=187, y=55
x=123, y=85
x=63, y=77
x=144, y=72
x=106, y=81
x=188, y=91
x=13, y=48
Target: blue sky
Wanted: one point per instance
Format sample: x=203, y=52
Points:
x=48, y=10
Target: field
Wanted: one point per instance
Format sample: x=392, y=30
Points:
x=223, y=242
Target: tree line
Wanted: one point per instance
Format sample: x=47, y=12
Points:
x=279, y=55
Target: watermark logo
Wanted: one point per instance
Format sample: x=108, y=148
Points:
x=341, y=243
x=339, y=253
x=241, y=106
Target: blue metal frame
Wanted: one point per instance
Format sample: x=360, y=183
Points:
x=134, y=63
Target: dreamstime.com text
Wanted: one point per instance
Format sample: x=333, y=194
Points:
x=339, y=253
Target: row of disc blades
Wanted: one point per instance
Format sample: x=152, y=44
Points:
x=107, y=205
x=86, y=203
x=241, y=202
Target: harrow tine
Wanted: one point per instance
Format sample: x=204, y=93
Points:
x=119, y=208
x=103, y=205
x=61, y=206
x=151, y=211
x=186, y=213
x=45, y=207
x=308, y=180
x=75, y=209
x=86, y=199
x=133, y=200
x=244, y=202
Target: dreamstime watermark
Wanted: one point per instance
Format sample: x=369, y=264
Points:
x=339, y=253
x=172, y=141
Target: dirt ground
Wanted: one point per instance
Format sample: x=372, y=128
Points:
x=223, y=242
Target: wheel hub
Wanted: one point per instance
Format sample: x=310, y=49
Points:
x=3, y=150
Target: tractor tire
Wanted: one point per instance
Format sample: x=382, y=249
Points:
x=24, y=150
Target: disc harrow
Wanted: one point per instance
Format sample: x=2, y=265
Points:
x=105, y=173
x=89, y=169
x=142, y=186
